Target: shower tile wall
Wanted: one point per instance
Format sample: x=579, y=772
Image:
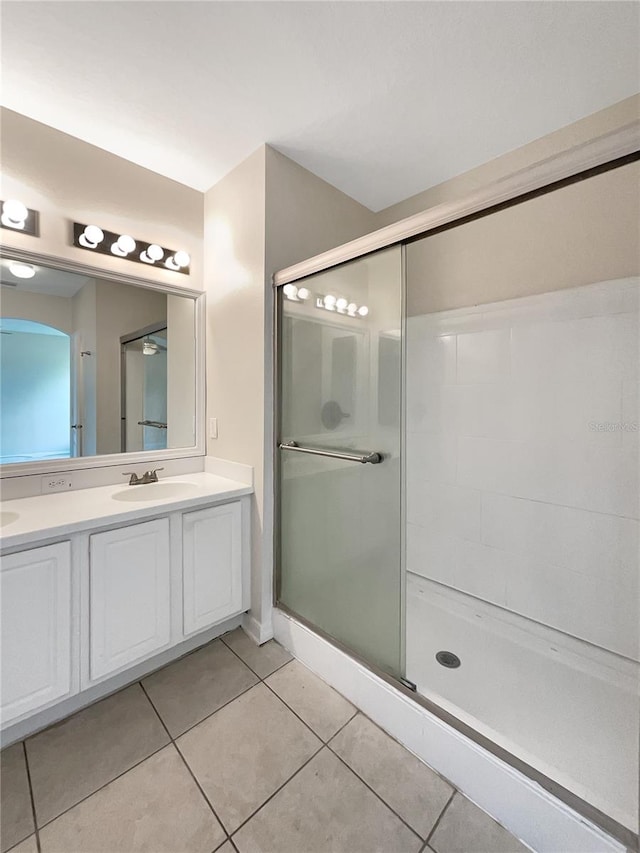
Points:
x=522, y=457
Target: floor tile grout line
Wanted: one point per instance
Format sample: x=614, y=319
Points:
x=257, y=675
x=379, y=796
x=37, y=828
x=102, y=787
x=277, y=791
x=190, y=771
x=295, y=714
x=31, y=797
x=195, y=725
x=440, y=816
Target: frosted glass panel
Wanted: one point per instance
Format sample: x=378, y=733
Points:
x=340, y=531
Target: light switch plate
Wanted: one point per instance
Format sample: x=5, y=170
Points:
x=213, y=427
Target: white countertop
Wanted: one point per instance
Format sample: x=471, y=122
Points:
x=48, y=516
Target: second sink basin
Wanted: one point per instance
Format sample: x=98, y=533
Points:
x=154, y=491
x=7, y=517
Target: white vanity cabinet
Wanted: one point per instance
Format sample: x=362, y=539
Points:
x=212, y=566
x=130, y=595
x=35, y=590
x=113, y=601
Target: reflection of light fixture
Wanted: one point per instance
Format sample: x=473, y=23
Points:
x=123, y=246
x=178, y=261
x=22, y=270
x=17, y=216
x=341, y=305
x=330, y=302
x=152, y=254
x=303, y=293
x=91, y=237
x=291, y=292
x=149, y=347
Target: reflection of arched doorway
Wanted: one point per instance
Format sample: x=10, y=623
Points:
x=35, y=391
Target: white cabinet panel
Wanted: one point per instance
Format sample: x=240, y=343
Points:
x=130, y=595
x=35, y=586
x=212, y=565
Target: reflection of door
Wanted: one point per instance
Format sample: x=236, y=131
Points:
x=144, y=389
x=339, y=555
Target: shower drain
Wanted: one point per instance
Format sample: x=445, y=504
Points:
x=448, y=659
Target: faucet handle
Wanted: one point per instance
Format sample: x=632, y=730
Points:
x=133, y=477
x=152, y=476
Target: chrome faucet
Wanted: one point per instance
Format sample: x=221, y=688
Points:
x=147, y=477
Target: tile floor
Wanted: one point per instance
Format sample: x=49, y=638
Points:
x=234, y=749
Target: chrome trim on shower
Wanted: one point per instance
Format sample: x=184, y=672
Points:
x=372, y=458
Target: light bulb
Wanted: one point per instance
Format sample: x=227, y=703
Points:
x=363, y=310
x=341, y=304
x=181, y=259
x=303, y=293
x=330, y=302
x=290, y=291
x=14, y=214
x=351, y=309
x=91, y=236
x=22, y=270
x=155, y=252
x=177, y=261
x=123, y=246
x=152, y=254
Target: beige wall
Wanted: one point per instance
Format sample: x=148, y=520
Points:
x=120, y=310
x=583, y=233
x=51, y=310
x=181, y=372
x=267, y=213
x=234, y=281
x=68, y=180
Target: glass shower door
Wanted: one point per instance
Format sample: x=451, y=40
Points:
x=340, y=534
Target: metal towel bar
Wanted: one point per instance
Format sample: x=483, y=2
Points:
x=156, y=424
x=372, y=458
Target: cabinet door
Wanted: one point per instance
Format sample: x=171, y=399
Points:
x=130, y=607
x=212, y=565
x=35, y=589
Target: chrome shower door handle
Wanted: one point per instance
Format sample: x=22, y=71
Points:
x=372, y=457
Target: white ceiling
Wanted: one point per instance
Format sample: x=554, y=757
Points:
x=381, y=99
x=46, y=280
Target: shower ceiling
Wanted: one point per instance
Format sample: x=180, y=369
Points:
x=380, y=99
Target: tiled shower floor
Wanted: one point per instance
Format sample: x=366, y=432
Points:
x=231, y=748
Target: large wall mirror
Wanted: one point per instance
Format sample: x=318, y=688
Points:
x=92, y=367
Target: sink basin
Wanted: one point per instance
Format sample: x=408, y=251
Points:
x=8, y=517
x=154, y=492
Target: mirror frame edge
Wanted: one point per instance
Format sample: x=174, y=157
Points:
x=44, y=467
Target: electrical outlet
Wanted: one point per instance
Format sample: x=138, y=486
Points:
x=213, y=427
x=55, y=483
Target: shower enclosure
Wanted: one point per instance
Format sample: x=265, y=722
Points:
x=458, y=491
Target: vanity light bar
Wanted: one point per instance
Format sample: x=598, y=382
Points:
x=16, y=216
x=95, y=239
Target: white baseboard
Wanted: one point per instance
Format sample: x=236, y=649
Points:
x=258, y=631
x=532, y=814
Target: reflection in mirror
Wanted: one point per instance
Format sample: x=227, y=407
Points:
x=90, y=366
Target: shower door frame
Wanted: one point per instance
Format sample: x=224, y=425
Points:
x=602, y=154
